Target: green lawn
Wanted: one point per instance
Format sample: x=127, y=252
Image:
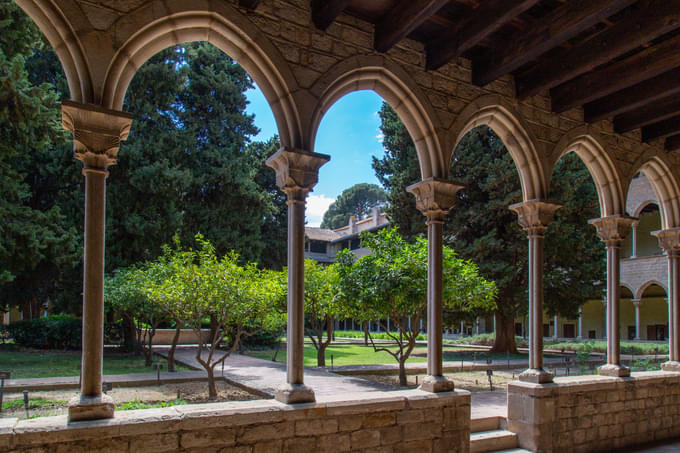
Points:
x=56, y=363
x=355, y=354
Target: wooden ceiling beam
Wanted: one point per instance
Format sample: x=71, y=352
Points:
x=250, y=4
x=625, y=73
x=481, y=22
x=662, y=129
x=654, y=19
x=635, y=97
x=402, y=19
x=651, y=113
x=564, y=23
x=324, y=12
x=673, y=143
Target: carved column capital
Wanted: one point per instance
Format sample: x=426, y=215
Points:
x=435, y=197
x=669, y=240
x=636, y=302
x=613, y=229
x=297, y=171
x=535, y=215
x=97, y=132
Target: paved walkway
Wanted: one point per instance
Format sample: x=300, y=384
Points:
x=264, y=376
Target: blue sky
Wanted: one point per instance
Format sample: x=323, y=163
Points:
x=349, y=133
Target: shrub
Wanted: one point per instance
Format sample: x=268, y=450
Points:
x=53, y=332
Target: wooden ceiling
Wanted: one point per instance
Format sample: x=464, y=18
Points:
x=616, y=59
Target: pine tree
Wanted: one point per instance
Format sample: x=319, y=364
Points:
x=356, y=201
x=36, y=240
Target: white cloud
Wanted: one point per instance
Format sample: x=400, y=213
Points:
x=317, y=205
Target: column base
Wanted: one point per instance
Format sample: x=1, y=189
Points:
x=294, y=393
x=536, y=376
x=90, y=408
x=671, y=365
x=613, y=370
x=436, y=384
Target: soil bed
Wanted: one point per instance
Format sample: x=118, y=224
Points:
x=54, y=402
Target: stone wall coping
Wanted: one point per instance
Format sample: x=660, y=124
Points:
x=49, y=430
x=574, y=384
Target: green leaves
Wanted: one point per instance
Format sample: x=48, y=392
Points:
x=392, y=280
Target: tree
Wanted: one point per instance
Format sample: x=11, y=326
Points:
x=397, y=170
x=126, y=293
x=392, y=282
x=356, y=201
x=321, y=306
x=36, y=240
x=240, y=299
x=188, y=164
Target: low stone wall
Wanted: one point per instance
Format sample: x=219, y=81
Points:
x=595, y=413
x=379, y=422
x=186, y=336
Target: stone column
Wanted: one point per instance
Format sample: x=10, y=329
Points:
x=434, y=198
x=669, y=240
x=535, y=216
x=636, y=304
x=97, y=133
x=580, y=323
x=612, y=230
x=556, y=333
x=633, y=241
x=297, y=172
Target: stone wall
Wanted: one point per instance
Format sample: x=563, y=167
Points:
x=379, y=422
x=636, y=273
x=595, y=413
x=186, y=336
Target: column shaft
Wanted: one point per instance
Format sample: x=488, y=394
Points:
x=613, y=331
x=296, y=294
x=93, y=282
x=636, y=304
x=556, y=332
x=535, y=301
x=674, y=305
x=580, y=323
x=434, y=298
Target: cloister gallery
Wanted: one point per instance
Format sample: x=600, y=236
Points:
x=599, y=78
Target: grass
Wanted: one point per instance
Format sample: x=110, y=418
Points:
x=136, y=404
x=33, y=403
x=357, y=354
x=38, y=364
x=627, y=347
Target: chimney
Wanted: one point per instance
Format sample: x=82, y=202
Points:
x=352, y=224
x=376, y=216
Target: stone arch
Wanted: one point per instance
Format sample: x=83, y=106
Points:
x=66, y=45
x=643, y=205
x=224, y=27
x=628, y=288
x=610, y=191
x=394, y=85
x=496, y=113
x=666, y=188
x=641, y=290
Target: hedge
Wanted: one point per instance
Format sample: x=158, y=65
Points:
x=53, y=332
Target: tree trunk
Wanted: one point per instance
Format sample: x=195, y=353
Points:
x=212, y=388
x=321, y=355
x=148, y=352
x=365, y=333
x=505, y=334
x=213, y=328
x=171, y=353
x=403, y=382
